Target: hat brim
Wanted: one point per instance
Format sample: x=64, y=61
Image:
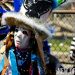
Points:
x=19, y=20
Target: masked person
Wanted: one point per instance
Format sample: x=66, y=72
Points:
x=23, y=46
x=27, y=28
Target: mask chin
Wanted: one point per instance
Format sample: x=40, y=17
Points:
x=18, y=47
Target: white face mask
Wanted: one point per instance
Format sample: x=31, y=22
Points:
x=21, y=38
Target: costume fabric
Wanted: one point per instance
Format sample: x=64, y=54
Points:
x=22, y=63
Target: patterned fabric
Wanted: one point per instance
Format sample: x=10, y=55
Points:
x=23, y=63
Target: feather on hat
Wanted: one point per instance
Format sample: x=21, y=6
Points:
x=20, y=20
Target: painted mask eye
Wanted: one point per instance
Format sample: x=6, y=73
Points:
x=25, y=32
x=16, y=30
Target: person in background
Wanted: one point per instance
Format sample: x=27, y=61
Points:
x=72, y=49
x=23, y=49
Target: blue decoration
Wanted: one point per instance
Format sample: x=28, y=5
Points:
x=56, y=3
x=13, y=62
x=4, y=29
x=1, y=64
x=17, y=5
x=1, y=10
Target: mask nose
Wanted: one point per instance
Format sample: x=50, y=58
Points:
x=19, y=34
